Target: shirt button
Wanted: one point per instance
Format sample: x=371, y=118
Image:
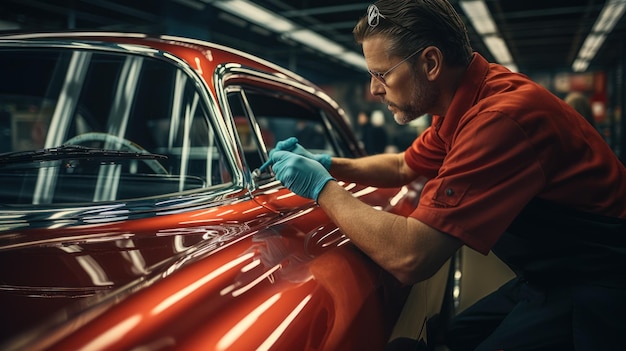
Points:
x=449, y=192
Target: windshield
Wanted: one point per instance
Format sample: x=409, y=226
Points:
x=81, y=126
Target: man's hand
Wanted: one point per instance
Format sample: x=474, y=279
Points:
x=291, y=144
x=300, y=174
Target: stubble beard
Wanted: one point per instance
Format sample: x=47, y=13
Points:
x=423, y=99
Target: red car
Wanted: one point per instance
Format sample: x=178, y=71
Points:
x=131, y=218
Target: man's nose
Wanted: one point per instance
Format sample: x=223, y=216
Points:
x=376, y=87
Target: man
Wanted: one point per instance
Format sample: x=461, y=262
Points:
x=511, y=168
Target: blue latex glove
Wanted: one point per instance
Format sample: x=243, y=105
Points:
x=291, y=144
x=301, y=175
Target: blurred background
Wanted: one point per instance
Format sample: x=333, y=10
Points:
x=575, y=48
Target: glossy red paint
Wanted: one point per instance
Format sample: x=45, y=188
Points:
x=298, y=285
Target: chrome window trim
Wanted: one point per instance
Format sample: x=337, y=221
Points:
x=163, y=203
x=231, y=71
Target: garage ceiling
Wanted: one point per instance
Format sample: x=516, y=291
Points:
x=542, y=35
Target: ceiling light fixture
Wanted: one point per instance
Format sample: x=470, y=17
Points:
x=611, y=13
x=498, y=48
x=255, y=14
x=269, y=20
x=482, y=21
x=354, y=59
x=480, y=17
x=316, y=41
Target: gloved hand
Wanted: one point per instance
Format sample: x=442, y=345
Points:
x=291, y=144
x=301, y=175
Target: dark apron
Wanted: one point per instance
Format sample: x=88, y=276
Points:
x=550, y=244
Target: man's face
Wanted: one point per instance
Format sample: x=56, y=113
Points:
x=405, y=90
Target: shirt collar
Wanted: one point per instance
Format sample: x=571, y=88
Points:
x=465, y=96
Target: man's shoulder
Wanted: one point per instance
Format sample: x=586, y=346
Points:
x=510, y=91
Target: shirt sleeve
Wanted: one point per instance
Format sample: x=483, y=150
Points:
x=489, y=174
x=426, y=154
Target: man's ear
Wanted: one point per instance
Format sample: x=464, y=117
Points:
x=432, y=63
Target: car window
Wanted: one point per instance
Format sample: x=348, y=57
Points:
x=133, y=104
x=264, y=117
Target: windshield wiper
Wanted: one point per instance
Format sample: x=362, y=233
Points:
x=74, y=152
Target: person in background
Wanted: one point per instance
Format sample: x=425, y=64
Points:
x=363, y=132
x=510, y=169
x=374, y=135
x=581, y=104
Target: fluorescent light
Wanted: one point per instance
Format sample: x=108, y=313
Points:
x=591, y=45
x=269, y=20
x=609, y=16
x=498, y=48
x=480, y=16
x=511, y=66
x=315, y=41
x=612, y=11
x=354, y=59
x=580, y=65
x=256, y=14
x=481, y=19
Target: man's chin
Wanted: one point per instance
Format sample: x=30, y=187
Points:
x=402, y=118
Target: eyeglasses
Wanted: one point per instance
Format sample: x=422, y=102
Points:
x=374, y=16
x=381, y=76
x=373, y=19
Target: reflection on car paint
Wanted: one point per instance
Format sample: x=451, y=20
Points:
x=190, y=252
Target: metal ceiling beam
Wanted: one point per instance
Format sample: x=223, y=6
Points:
x=558, y=11
x=126, y=10
x=326, y=10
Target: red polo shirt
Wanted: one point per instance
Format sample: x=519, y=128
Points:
x=504, y=141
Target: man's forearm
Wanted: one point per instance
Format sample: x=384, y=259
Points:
x=405, y=247
x=384, y=170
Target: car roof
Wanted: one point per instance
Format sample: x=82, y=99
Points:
x=182, y=47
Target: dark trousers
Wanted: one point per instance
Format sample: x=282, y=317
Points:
x=519, y=316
